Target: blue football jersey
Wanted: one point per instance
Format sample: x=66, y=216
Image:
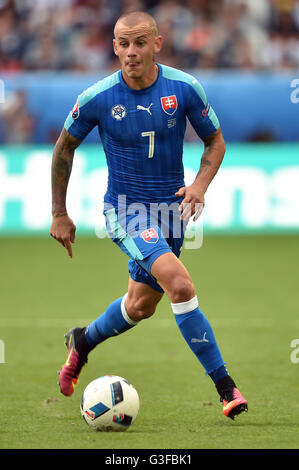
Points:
x=142, y=131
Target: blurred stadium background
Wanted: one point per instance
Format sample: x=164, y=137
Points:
x=244, y=52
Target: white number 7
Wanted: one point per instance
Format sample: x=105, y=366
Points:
x=151, y=135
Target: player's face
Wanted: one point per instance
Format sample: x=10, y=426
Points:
x=136, y=48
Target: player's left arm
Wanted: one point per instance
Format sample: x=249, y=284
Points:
x=194, y=195
x=206, y=124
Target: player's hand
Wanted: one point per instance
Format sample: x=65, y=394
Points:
x=193, y=202
x=63, y=230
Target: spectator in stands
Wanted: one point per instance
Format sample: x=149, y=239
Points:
x=18, y=123
x=71, y=34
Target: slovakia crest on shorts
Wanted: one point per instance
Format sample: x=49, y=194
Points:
x=169, y=104
x=75, y=110
x=150, y=235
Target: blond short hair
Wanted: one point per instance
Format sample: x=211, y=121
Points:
x=135, y=17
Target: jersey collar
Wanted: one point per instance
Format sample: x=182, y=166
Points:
x=143, y=90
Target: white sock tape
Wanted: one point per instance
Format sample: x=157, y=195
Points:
x=185, y=307
x=124, y=312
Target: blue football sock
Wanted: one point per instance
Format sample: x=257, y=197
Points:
x=112, y=322
x=199, y=336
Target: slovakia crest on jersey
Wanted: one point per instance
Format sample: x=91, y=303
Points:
x=150, y=235
x=169, y=104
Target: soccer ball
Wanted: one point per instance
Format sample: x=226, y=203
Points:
x=109, y=403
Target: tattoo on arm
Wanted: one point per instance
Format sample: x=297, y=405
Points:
x=214, y=149
x=207, y=156
x=61, y=170
x=205, y=161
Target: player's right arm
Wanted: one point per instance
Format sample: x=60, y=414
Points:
x=80, y=121
x=62, y=228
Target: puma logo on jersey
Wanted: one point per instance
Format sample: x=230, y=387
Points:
x=143, y=108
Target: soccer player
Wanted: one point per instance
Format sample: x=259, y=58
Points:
x=141, y=113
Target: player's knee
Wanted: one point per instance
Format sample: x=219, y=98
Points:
x=142, y=314
x=141, y=309
x=181, y=289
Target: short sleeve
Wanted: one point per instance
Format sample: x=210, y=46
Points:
x=199, y=112
x=83, y=117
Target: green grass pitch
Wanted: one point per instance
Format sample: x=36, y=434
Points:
x=247, y=287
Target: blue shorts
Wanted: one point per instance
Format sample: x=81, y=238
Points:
x=144, y=238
